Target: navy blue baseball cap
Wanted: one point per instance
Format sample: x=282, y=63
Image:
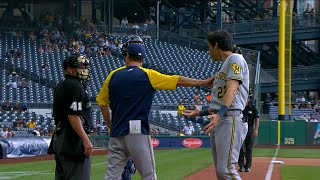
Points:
x=137, y=50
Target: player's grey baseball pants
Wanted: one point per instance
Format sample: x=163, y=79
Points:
x=226, y=141
x=136, y=146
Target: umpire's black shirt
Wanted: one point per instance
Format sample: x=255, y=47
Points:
x=251, y=113
x=70, y=98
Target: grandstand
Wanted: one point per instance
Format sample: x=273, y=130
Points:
x=172, y=52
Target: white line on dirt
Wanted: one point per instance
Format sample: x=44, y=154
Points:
x=270, y=169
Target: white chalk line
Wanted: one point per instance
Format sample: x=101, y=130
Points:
x=270, y=169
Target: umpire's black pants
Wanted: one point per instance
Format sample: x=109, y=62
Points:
x=246, y=150
x=72, y=168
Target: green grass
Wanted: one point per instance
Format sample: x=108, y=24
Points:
x=172, y=164
x=287, y=153
x=263, y=152
x=299, y=153
x=300, y=172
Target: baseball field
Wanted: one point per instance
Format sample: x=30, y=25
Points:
x=188, y=164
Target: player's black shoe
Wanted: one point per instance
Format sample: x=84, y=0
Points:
x=247, y=169
x=241, y=169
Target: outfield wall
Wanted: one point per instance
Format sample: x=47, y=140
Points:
x=291, y=133
x=297, y=132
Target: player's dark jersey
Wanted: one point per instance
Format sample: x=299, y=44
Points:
x=129, y=92
x=70, y=98
x=251, y=113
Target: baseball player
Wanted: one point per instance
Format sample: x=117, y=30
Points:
x=230, y=90
x=128, y=92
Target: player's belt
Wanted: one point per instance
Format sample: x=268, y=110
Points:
x=231, y=112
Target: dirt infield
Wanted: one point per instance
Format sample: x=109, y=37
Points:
x=260, y=169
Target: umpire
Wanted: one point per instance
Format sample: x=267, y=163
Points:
x=71, y=111
x=251, y=114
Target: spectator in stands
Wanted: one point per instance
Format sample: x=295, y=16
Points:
x=32, y=124
x=40, y=50
x=267, y=103
x=3, y=132
x=12, y=84
x=181, y=108
x=295, y=105
x=45, y=65
x=19, y=123
x=300, y=99
x=305, y=117
x=43, y=132
x=196, y=97
x=313, y=118
x=32, y=36
x=154, y=131
x=17, y=107
x=188, y=129
x=13, y=71
x=24, y=107
x=308, y=105
x=124, y=22
x=180, y=133
x=36, y=132
x=6, y=106
x=10, y=133
x=208, y=97
x=24, y=83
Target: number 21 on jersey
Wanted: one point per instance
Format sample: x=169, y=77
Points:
x=221, y=91
x=76, y=106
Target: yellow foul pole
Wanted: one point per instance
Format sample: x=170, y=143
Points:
x=281, y=61
x=288, y=50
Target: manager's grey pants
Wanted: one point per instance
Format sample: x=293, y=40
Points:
x=136, y=146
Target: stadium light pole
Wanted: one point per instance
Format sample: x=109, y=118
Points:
x=158, y=17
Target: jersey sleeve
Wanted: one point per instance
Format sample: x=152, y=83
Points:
x=103, y=96
x=236, y=68
x=161, y=81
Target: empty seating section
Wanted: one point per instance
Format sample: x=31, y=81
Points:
x=295, y=113
x=169, y=58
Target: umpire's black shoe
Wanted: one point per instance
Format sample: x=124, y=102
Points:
x=247, y=170
x=241, y=169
